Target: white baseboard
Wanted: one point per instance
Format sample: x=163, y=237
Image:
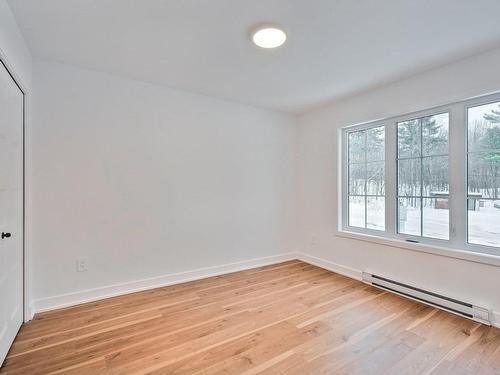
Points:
x=357, y=274
x=89, y=295
x=495, y=319
x=30, y=312
x=334, y=267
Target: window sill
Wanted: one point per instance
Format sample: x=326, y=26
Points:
x=470, y=256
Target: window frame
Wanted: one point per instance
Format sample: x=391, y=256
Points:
x=476, y=102
x=457, y=178
x=346, y=179
x=415, y=116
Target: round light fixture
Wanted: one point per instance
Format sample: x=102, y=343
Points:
x=269, y=37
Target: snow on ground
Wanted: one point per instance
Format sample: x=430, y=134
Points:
x=484, y=224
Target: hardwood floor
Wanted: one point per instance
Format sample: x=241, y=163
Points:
x=291, y=318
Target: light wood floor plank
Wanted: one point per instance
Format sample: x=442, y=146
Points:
x=290, y=318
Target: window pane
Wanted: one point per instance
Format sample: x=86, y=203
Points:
x=366, y=178
x=357, y=212
x=375, y=213
x=436, y=218
x=375, y=178
x=484, y=219
x=375, y=144
x=357, y=178
x=409, y=216
x=435, y=135
x=483, y=177
x=435, y=176
x=409, y=138
x=409, y=177
x=423, y=176
x=357, y=147
x=484, y=127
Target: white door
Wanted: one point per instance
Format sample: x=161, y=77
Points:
x=11, y=210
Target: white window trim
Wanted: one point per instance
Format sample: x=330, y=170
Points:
x=470, y=256
x=457, y=245
x=345, y=176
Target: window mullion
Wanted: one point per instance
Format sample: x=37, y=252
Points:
x=458, y=176
x=343, y=217
x=366, y=178
x=390, y=178
x=421, y=179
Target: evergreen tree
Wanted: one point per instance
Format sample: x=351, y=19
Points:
x=422, y=137
x=491, y=139
x=494, y=116
x=490, y=142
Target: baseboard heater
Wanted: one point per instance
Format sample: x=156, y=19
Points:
x=465, y=309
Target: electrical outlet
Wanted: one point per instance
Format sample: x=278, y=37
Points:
x=81, y=264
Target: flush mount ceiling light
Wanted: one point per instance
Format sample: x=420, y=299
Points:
x=268, y=36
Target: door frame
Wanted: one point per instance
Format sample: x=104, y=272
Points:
x=27, y=311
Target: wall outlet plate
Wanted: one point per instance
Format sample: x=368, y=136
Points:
x=81, y=265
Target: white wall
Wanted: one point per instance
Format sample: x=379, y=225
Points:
x=318, y=175
x=15, y=55
x=13, y=49
x=146, y=181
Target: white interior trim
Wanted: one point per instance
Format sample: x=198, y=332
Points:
x=330, y=266
x=25, y=88
x=90, y=295
x=471, y=256
x=71, y=299
x=458, y=176
x=495, y=318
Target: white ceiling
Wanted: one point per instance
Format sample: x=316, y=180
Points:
x=335, y=47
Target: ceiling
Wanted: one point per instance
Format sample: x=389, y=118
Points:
x=335, y=47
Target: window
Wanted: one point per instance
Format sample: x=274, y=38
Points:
x=430, y=177
x=483, y=174
x=366, y=178
x=422, y=161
